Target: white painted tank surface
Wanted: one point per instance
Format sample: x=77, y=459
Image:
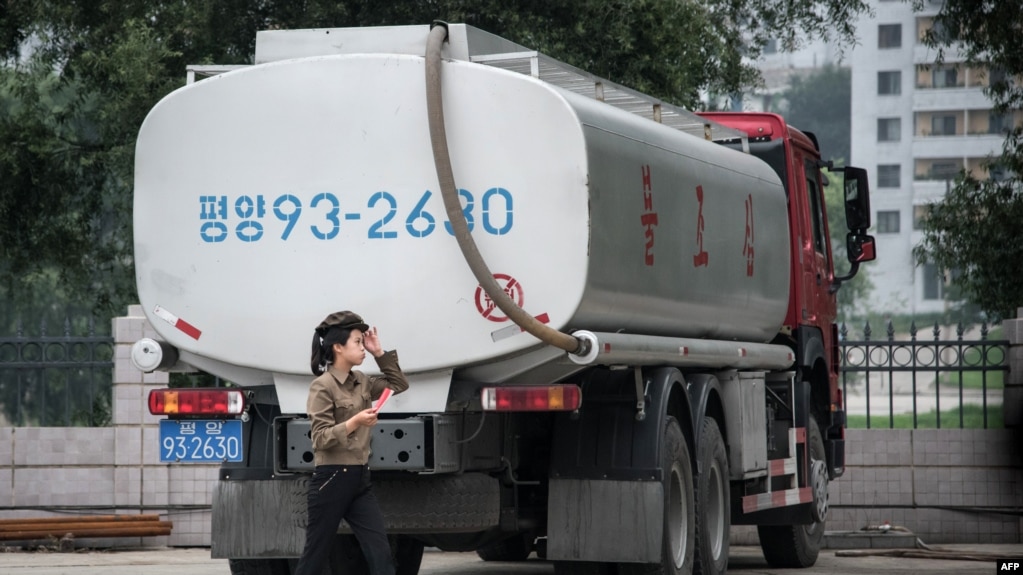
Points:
x=271, y=196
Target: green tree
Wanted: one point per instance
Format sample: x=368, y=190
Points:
x=974, y=230
x=822, y=103
x=78, y=78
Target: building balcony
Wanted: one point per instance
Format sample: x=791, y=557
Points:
x=978, y=145
x=935, y=99
x=925, y=55
x=927, y=191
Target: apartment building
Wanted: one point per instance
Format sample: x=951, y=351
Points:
x=914, y=126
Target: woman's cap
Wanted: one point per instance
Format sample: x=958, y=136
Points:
x=346, y=319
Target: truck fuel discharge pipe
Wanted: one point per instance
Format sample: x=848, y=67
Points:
x=471, y=253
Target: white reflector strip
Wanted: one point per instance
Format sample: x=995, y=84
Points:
x=752, y=503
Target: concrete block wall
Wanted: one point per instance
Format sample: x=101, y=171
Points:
x=943, y=485
x=56, y=471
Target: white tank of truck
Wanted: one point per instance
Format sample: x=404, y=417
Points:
x=270, y=196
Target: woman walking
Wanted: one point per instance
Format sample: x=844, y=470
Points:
x=340, y=405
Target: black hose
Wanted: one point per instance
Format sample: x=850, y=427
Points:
x=442, y=161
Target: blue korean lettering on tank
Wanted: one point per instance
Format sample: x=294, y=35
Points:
x=326, y=215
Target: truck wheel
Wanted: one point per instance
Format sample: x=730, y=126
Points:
x=797, y=545
x=515, y=548
x=259, y=566
x=713, y=516
x=678, y=542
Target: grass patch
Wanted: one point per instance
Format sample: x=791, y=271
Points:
x=974, y=380
x=973, y=418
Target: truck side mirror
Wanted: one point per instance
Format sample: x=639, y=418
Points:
x=857, y=200
x=860, y=248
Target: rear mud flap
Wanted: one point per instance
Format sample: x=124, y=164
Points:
x=599, y=520
x=267, y=518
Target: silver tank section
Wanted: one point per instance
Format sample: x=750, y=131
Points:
x=686, y=238
x=269, y=197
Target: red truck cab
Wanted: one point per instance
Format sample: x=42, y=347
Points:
x=810, y=320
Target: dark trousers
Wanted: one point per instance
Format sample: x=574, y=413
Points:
x=344, y=492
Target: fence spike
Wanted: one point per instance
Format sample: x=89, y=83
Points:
x=983, y=330
x=866, y=330
x=960, y=329
x=912, y=330
x=843, y=331
x=67, y=326
x=937, y=330
x=891, y=331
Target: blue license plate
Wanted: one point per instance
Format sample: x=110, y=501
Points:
x=200, y=440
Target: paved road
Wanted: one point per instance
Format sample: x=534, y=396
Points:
x=743, y=561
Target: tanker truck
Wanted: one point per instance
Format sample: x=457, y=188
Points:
x=617, y=316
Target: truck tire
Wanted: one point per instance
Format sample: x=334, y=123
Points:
x=259, y=566
x=678, y=542
x=795, y=546
x=453, y=503
x=515, y=548
x=713, y=504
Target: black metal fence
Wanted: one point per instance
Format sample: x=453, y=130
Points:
x=915, y=382
x=896, y=381
x=56, y=380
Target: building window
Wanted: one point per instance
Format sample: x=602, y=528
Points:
x=934, y=282
x=998, y=75
x=943, y=125
x=999, y=123
x=999, y=173
x=889, y=129
x=889, y=83
x=888, y=222
x=920, y=214
x=940, y=31
x=944, y=77
x=888, y=175
x=889, y=36
x=944, y=170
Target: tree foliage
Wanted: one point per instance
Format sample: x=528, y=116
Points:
x=79, y=77
x=822, y=103
x=974, y=230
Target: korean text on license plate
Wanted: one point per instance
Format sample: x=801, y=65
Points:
x=200, y=440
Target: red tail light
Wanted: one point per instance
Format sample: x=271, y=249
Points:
x=532, y=398
x=196, y=401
